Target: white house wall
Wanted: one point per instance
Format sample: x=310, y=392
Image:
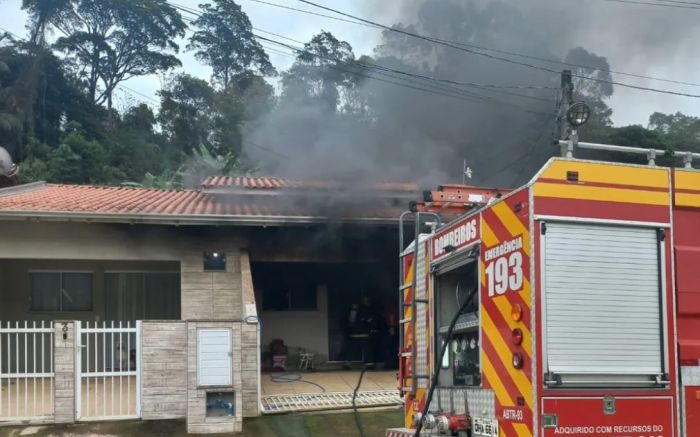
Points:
x=299, y=329
x=207, y=299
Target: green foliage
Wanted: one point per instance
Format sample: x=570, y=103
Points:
x=110, y=42
x=186, y=105
x=57, y=117
x=321, y=73
x=202, y=163
x=224, y=40
x=193, y=114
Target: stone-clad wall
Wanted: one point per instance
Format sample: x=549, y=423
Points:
x=250, y=342
x=64, y=372
x=211, y=295
x=197, y=422
x=164, y=370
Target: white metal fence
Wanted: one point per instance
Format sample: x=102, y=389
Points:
x=26, y=371
x=108, y=376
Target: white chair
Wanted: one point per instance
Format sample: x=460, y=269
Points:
x=306, y=360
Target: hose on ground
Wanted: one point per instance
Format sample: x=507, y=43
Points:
x=358, y=421
x=288, y=377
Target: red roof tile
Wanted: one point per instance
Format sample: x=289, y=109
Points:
x=142, y=204
x=273, y=183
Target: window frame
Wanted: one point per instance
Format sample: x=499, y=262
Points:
x=61, y=272
x=289, y=300
x=143, y=274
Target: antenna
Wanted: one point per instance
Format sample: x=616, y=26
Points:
x=466, y=172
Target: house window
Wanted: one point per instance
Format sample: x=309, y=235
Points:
x=287, y=286
x=214, y=262
x=131, y=296
x=298, y=296
x=61, y=291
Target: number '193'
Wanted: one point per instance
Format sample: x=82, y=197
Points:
x=505, y=273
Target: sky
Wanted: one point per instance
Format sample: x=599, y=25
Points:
x=628, y=35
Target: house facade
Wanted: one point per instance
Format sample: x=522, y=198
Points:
x=158, y=304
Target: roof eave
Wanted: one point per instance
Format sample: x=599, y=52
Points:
x=190, y=219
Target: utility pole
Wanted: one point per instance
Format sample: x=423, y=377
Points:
x=566, y=131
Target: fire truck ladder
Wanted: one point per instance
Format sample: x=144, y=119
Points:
x=414, y=302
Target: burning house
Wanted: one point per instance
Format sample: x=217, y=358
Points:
x=154, y=304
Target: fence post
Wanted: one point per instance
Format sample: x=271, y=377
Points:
x=64, y=371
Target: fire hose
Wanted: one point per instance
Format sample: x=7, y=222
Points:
x=443, y=349
x=356, y=413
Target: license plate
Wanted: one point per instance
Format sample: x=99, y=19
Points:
x=484, y=427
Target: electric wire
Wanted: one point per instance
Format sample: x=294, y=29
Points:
x=663, y=5
x=382, y=71
x=464, y=95
x=443, y=92
x=505, y=52
x=463, y=48
x=489, y=87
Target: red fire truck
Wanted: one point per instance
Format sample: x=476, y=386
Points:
x=567, y=307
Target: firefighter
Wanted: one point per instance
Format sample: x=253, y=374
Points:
x=362, y=333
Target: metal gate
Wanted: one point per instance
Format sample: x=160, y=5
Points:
x=108, y=371
x=26, y=371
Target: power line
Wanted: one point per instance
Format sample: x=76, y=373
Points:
x=463, y=47
x=505, y=52
x=679, y=2
x=490, y=87
x=449, y=81
x=312, y=13
x=464, y=95
x=384, y=70
x=663, y=5
x=267, y=149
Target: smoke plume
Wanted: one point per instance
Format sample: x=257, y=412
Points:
x=504, y=134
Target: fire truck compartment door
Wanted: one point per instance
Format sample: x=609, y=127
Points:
x=608, y=416
x=602, y=301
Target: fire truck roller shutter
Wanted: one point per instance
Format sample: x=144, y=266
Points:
x=602, y=304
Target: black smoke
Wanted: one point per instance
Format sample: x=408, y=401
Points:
x=406, y=134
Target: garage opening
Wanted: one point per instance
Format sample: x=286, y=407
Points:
x=322, y=308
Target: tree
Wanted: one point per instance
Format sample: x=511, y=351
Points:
x=110, y=42
x=193, y=114
x=681, y=129
x=133, y=146
x=224, y=40
x=186, y=108
x=322, y=72
x=41, y=106
x=202, y=163
x=593, y=84
x=76, y=160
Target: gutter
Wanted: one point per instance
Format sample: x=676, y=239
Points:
x=189, y=219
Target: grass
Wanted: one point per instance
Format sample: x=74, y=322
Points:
x=291, y=425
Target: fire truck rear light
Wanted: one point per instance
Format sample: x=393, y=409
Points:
x=517, y=312
x=516, y=336
x=518, y=360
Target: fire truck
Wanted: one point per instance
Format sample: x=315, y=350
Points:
x=567, y=307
